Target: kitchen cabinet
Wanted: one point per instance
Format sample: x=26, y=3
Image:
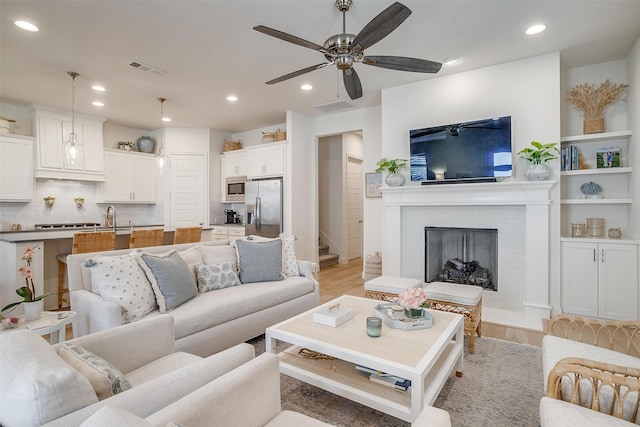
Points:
x=266, y=161
x=615, y=200
x=600, y=279
x=130, y=178
x=223, y=232
x=235, y=163
x=16, y=173
x=52, y=128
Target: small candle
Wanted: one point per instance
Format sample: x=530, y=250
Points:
x=374, y=326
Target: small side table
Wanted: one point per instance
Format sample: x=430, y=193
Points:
x=51, y=322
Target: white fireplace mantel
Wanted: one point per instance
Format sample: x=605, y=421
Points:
x=533, y=196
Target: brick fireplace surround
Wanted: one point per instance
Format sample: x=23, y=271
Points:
x=519, y=210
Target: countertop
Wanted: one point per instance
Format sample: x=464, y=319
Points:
x=31, y=234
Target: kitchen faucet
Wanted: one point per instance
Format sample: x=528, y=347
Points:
x=111, y=217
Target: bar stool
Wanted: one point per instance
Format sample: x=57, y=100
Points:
x=90, y=241
x=187, y=235
x=146, y=237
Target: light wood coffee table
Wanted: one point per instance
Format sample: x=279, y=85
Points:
x=426, y=357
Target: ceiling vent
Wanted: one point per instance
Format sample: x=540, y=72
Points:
x=334, y=106
x=146, y=68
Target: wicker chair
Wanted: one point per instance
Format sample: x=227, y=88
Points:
x=146, y=237
x=610, y=384
x=187, y=235
x=94, y=241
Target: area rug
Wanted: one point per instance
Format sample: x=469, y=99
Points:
x=501, y=386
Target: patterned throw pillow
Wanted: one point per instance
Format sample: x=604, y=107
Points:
x=217, y=276
x=120, y=279
x=106, y=380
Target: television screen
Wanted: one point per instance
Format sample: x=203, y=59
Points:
x=470, y=151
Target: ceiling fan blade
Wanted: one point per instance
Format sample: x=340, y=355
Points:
x=288, y=38
x=352, y=83
x=381, y=26
x=403, y=63
x=298, y=73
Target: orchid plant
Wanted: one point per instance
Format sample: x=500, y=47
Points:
x=27, y=292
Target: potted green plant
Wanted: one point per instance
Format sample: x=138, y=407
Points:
x=393, y=179
x=538, y=155
x=33, y=304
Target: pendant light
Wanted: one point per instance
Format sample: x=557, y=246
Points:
x=161, y=156
x=73, y=149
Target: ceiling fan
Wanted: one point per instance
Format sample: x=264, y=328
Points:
x=344, y=49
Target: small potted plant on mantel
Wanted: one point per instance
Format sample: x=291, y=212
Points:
x=538, y=156
x=393, y=179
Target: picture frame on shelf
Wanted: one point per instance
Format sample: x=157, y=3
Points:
x=373, y=182
x=608, y=157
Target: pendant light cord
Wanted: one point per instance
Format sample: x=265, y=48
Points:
x=73, y=75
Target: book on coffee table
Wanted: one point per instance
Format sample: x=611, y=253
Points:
x=391, y=381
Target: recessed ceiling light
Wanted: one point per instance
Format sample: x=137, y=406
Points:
x=98, y=103
x=535, y=29
x=27, y=26
x=306, y=86
x=232, y=98
x=166, y=119
x=98, y=88
x=450, y=61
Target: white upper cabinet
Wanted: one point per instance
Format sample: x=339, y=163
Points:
x=130, y=178
x=52, y=128
x=265, y=161
x=235, y=163
x=16, y=174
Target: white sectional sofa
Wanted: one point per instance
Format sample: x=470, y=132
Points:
x=210, y=321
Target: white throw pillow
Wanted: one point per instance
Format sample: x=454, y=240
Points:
x=106, y=380
x=191, y=257
x=120, y=279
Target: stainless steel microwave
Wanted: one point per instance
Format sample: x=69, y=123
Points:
x=235, y=188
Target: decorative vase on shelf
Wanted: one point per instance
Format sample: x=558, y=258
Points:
x=394, y=180
x=146, y=144
x=590, y=126
x=537, y=172
x=33, y=310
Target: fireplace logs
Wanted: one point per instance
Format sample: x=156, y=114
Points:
x=470, y=273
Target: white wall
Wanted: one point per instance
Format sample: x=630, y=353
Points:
x=633, y=121
x=527, y=90
x=330, y=204
x=216, y=148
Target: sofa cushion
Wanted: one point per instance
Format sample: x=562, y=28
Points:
x=171, y=280
x=214, y=308
x=217, y=276
x=160, y=367
x=217, y=254
x=259, y=261
x=36, y=385
x=558, y=413
x=120, y=279
x=106, y=380
x=191, y=257
x=109, y=416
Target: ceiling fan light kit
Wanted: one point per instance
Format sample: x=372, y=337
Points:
x=344, y=50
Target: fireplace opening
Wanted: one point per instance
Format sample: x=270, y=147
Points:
x=462, y=255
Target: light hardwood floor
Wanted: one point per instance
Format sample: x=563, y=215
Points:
x=346, y=279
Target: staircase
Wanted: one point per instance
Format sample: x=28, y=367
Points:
x=326, y=259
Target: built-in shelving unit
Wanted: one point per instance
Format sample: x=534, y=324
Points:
x=614, y=200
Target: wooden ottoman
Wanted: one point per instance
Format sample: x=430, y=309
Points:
x=387, y=288
x=462, y=299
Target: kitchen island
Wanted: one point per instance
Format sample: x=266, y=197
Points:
x=51, y=243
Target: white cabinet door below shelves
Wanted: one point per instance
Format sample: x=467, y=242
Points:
x=618, y=277
x=579, y=279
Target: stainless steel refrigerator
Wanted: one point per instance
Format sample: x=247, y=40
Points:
x=263, y=203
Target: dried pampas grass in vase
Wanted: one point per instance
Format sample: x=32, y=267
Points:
x=592, y=101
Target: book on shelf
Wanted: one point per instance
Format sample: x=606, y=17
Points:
x=389, y=380
x=570, y=158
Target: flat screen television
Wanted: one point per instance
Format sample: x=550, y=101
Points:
x=462, y=152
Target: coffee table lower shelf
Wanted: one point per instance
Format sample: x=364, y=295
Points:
x=341, y=377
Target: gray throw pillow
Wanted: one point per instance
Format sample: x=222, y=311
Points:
x=260, y=261
x=170, y=277
x=216, y=276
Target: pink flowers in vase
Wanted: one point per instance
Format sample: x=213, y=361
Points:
x=27, y=292
x=413, y=299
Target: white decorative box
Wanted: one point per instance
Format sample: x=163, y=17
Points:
x=333, y=316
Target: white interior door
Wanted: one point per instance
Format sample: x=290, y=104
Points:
x=188, y=190
x=354, y=208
